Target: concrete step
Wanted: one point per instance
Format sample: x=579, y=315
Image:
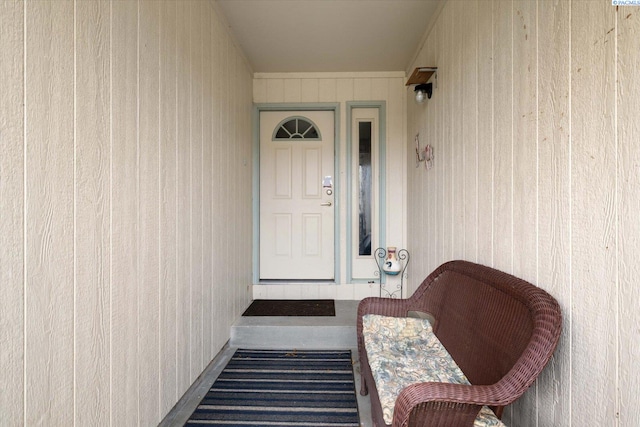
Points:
x=335, y=332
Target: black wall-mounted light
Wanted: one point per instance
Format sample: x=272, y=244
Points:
x=423, y=91
x=419, y=79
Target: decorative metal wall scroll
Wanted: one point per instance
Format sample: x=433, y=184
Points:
x=381, y=255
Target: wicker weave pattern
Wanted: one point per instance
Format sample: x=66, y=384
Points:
x=500, y=330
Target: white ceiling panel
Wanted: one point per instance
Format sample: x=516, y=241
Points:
x=328, y=35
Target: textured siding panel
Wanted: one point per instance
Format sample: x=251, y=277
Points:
x=554, y=201
x=124, y=213
x=196, y=82
x=208, y=317
x=49, y=213
x=628, y=156
x=168, y=206
x=470, y=82
x=593, y=215
x=12, y=206
x=484, y=118
x=148, y=211
x=503, y=135
x=183, y=236
x=92, y=334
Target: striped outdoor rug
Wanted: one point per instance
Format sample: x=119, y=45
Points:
x=278, y=388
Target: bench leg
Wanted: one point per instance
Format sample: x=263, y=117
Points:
x=363, y=386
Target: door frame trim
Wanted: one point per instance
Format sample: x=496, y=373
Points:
x=317, y=106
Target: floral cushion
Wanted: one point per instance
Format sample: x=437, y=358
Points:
x=405, y=351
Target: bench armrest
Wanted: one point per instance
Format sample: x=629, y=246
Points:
x=443, y=404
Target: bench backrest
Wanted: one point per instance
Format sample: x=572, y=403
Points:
x=489, y=321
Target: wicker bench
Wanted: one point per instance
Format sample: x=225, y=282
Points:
x=500, y=330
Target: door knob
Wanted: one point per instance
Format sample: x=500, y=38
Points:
x=325, y=204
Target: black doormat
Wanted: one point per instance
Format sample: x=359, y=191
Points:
x=290, y=307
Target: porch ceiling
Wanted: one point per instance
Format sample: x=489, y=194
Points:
x=329, y=35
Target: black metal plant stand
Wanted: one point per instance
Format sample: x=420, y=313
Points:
x=380, y=255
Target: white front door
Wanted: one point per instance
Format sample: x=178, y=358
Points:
x=297, y=195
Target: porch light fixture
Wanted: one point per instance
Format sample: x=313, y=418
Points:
x=423, y=92
x=419, y=78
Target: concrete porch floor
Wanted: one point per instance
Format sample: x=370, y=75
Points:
x=322, y=333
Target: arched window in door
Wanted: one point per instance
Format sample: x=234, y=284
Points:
x=296, y=128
